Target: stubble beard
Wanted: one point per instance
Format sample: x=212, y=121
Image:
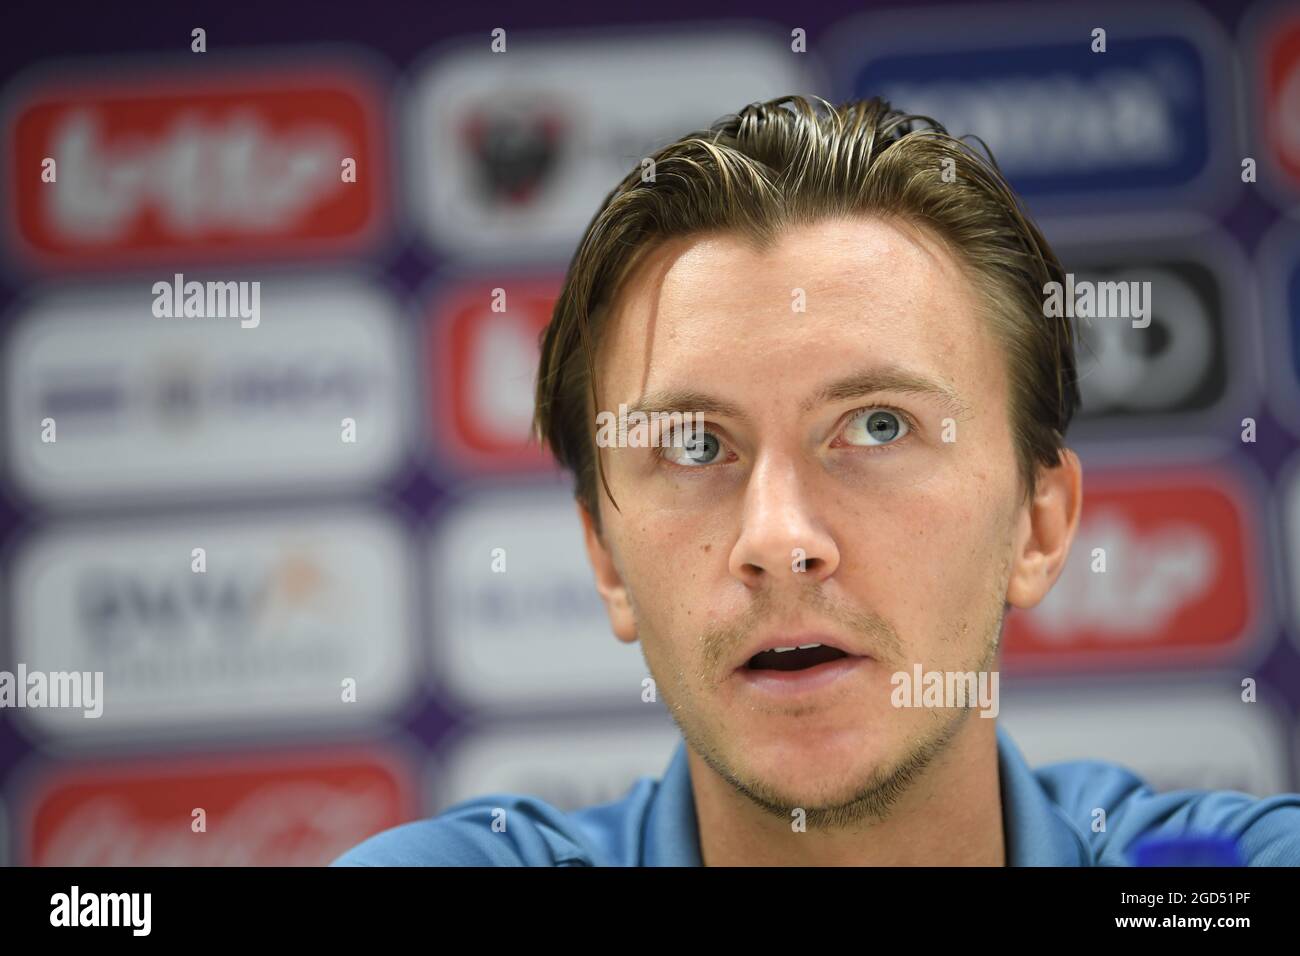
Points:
x=874, y=798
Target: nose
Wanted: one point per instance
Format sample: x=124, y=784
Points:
x=782, y=542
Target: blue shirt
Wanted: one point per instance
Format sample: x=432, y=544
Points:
x=1047, y=819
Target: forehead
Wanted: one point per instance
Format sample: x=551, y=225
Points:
x=828, y=298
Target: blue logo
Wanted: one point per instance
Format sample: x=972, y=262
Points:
x=1074, y=129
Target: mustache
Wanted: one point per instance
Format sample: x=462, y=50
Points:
x=869, y=632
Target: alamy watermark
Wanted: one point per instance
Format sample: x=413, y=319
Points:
x=1098, y=300
x=83, y=689
x=208, y=300
x=640, y=429
x=130, y=910
x=978, y=689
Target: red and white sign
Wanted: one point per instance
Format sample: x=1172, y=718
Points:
x=201, y=166
x=484, y=371
x=291, y=809
x=1276, y=43
x=1181, y=576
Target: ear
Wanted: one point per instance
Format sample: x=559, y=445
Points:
x=609, y=583
x=1046, y=530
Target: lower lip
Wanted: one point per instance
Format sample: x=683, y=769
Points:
x=786, y=684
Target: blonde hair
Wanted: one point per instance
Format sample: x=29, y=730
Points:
x=791, y=161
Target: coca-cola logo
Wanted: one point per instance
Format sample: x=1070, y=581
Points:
x=209, y=167
x=301, y=815
x=295, y=825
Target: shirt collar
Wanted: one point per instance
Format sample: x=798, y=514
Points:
x=1035, y=832
x=672, y=835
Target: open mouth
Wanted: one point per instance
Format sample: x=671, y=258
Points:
x=794, y=659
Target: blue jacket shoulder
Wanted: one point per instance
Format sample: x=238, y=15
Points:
x=1267, y=829
x=504, y=829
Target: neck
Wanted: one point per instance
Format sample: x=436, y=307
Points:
x=950, y=816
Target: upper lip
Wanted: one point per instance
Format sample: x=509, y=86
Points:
x=770, y=640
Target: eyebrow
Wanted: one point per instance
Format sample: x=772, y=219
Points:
x=686, y=400
x=888, y=378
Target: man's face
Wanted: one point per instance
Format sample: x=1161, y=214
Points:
x=858, y=484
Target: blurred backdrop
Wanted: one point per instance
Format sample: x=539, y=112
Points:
x=276, y=535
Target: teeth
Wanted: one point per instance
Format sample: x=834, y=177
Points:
x=804, y=647
x=801, y=647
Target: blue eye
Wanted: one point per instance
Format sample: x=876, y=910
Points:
x=878, y=426
x=699, y=449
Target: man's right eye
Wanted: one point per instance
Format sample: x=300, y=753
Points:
x=700, y=448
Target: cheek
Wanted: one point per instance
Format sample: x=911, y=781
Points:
x=926, y=557
x=665, y=544
x=666, y=562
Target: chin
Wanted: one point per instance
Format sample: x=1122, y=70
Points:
x=816, y=766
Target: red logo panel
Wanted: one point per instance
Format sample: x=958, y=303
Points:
x=485, y=372
x=1280, y=75
x=292, y=810
x=200, y=167
x=1163, y=568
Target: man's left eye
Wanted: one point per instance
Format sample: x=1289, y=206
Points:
x=876, y=427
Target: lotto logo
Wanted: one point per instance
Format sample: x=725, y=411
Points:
x=1164, y=568
x=222, y=166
